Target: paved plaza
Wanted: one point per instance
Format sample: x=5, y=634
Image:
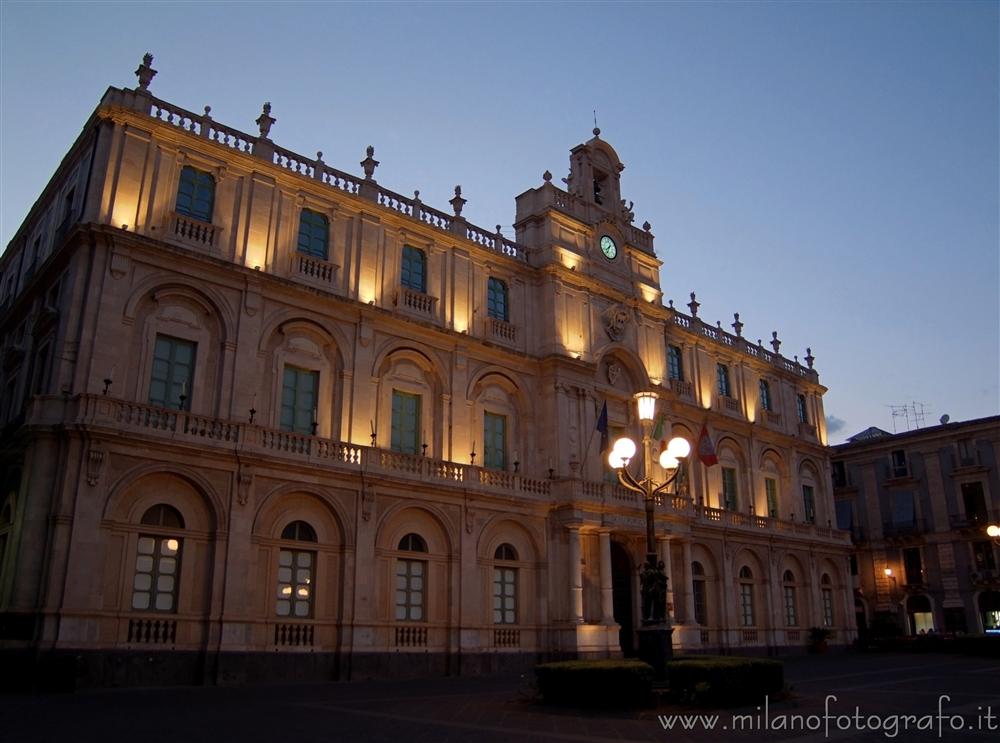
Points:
x=884, y=687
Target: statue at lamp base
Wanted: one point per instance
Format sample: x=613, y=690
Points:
x=653, y=583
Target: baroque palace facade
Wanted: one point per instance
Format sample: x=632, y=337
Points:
x=264, y=418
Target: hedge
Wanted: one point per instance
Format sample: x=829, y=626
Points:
x=603, y=683
x=724, y=680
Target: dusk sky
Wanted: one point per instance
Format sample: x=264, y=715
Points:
x=827, y=170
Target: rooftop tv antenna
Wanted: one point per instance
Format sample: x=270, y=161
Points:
x=911, y=413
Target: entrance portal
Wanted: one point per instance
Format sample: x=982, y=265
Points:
x=622, y=580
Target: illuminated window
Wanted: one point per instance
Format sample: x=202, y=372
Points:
x=157, y=561
x=496, y=299
x=299, y=396
x=800, y=407
x=722, y=378
x=791, y=610
x=195, y=194
x=314, y=234
x=494, y=441
x=827, y=594
x=296, y=573
x=505, y=586
x=746, y=597
x=675, y=363
x=405, y=422
x=173, y=373
x=410, y=581
x=414, y=269
x=765, y=395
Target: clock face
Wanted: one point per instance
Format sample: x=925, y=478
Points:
x=609, y=248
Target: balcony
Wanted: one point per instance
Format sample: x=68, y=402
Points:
x=416, y=302
x=903, y=529
x=974, y=521
x=728, y=404
x=682, y=388
x=772, y=418
x=501, y=330
x=193, y=233
x=316, y=271
x=807, y=431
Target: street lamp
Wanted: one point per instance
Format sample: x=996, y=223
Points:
x=993, y=532
x=655, y=645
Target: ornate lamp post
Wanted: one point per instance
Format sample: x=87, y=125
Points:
x=655, y=645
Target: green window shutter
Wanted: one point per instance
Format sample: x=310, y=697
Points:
x=314, y=234
x=195, y=194
x=495, y=441
x=729, y=488
x=809, y=503
x=771, y=489
x=413, y=273
x=173, y=372
x=405, y=422
x=299, y=397
x=496, y=299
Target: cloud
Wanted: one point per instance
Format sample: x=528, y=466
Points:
x=834, y=424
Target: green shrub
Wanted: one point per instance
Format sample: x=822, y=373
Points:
x=607, y=683
x=724, y=681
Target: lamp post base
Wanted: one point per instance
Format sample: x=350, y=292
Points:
x=656, y=648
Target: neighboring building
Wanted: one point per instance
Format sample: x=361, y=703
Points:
x=265, y=418
x=918, y=504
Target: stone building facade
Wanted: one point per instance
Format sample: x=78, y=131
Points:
x=263, y=417
x=917, y=504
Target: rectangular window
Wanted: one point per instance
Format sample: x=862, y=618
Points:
x=41, y=369
x=845, y=515
x=791, y=616
x=504, y=595
x=904, y=511
x=675, y=363
x=854, y=564
x=729, y=501
x=494, y=441
x=771, y=490
x=295, y=583
x=974, y=500
x=722, y=375
x=410, y=590
x=746, y=604
x=800, y=407
x=299, y=398
x=405, y=422
x=899, y=467
x=913, y=566
x=413, y=274
x=765, y=395
x=496, y=299
x=983, y=557
x=195, y=194
x=154, y=587
x=809, y=504
x=839, y=475
x=827, y=607
x=173, y=373
x=700, y=602
x=314, y=234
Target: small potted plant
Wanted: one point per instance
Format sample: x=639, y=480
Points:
x=817, y=639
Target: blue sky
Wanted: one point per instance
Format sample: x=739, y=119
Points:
x=827, y=170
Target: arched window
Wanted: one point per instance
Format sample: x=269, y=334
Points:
x=157, y=562
x=413, y=273
x=314, y=234
x=791, y=609
x=826, y=590
x=296, y=573
x=505, y=586
x=410, y=577
x=699, y=593
x=195, y=194
x=746, y=597
x=496, y=299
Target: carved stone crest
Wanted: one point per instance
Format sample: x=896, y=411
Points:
x=616, y=320
x=614, y=372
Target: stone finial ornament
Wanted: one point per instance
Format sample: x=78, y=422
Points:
x=457, y=202
x=547, y=176
x=319, y=156
x=775, y=343
x=145, y=71
x=693, y=305
x=597, y=132
x=647, y=226
x=810, y=359
x=369, y=163
x=265, y=121
x=737, y=325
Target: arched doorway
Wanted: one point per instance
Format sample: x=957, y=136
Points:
x=622, y=581
x=919, y=614
x=989, y=611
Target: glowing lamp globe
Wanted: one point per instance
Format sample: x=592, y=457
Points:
x=668, y=461
x=622, y=451
x=678, y=447
x=993, y=530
